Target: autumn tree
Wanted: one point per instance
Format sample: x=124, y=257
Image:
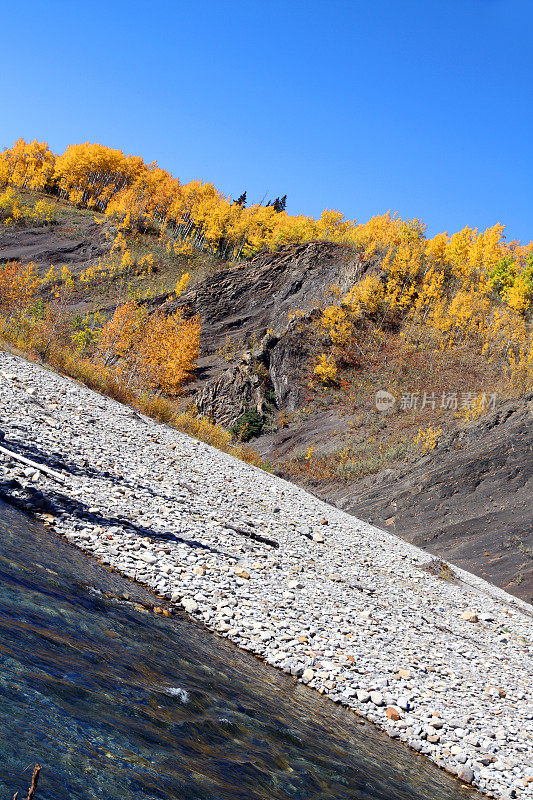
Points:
x=91, y=174
x=18, y=287
x=27, y=165
x=152, y=351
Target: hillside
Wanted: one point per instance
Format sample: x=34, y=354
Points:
x=293, y=343
x=468, y=500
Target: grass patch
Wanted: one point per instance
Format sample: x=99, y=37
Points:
x=345, y=464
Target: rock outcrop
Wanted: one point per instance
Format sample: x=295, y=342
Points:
x=260, y=312
x=469, y=500
x=226, y=398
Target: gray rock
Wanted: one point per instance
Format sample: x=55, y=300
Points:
x=466, y=774
x=308, y=675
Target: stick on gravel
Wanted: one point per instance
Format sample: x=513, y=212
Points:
x=251, y=535
x=40, y=467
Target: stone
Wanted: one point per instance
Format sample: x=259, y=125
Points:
x=393, y=713
x=240, y=572
x=349, y=693
x=376, y=698
x=189, y=605
x=469, y=616
x=403, y=673
x=318, y=537
x=465, y=774
x=308, y=675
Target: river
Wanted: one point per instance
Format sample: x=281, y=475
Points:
x=120, y=703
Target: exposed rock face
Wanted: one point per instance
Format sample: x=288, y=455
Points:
x=281, y=361
x=226, y=398
x=468, y=501
x=252, y=307
x=260, y=295
x=288, y=361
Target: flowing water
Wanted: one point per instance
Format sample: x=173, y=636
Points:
x=115, y=702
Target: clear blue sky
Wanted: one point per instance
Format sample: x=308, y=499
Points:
x=419, y=106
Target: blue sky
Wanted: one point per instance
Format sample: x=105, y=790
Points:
x=424, y=107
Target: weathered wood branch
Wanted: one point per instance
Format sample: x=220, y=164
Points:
x=250, y=534
x=33, y=785
x=39, y=467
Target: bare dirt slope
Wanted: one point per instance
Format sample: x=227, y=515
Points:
x=469, y=501
x=76, y=242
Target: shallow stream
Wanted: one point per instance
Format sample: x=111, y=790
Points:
x=116, y=702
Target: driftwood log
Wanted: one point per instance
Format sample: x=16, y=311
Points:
x=250, y=534
x=39, y=467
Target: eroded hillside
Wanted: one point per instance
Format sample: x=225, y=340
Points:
x=387, y=372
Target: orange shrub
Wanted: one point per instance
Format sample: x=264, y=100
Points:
x=150, y=351
x=18, y=286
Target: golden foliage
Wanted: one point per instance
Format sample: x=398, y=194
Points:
x=367, y=296
x=195, y=213
x=91, y=174
x=471, y=289
x=153, y=351
x=325, y=370
x=427, y=438
x=13, y=211
x=27, y=165
x=18, y=287
x=182, y=284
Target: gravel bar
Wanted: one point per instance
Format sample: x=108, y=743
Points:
x=437, y=657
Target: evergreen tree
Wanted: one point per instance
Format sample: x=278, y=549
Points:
x=279, y=203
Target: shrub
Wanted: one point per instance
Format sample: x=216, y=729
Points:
x=150, y=351
x=249, y=425
x=325, y=370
